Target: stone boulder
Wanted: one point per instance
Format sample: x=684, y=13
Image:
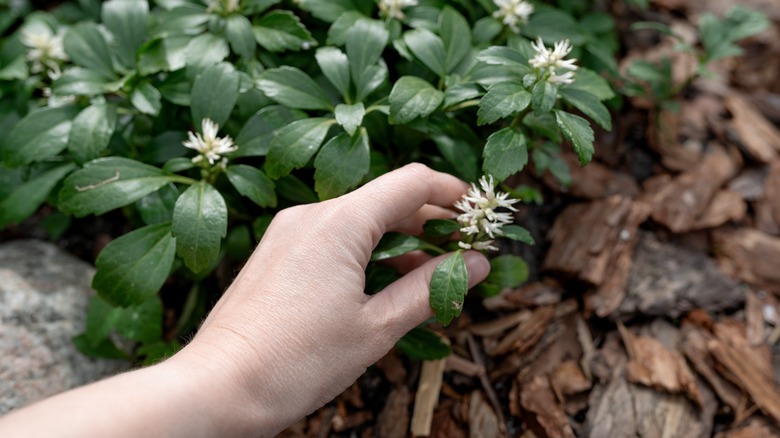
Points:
x=44, y=294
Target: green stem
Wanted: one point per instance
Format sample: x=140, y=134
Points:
x=464, y=104
x=182, y=179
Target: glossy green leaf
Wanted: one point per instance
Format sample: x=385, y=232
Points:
x=543, y=97
x=127, y=21
x=204, y=50
x=282, y=30
x=327, y=10
x=455, y=33
x=396, y=244
x=292, y=188
x=293, y=88
x=77, y=81
x=516, y=232
x=506, y=153
x=590, y=81
x=240, y=35
x=199, y=224
x=91, y=131
x=366, y=40
x=341, y=164
x=449, y=285
x=502, y=100
x=142, y=322
x=164, y=54
x=157, y=207
x=335, y=66
x=41, y=134
x=428, y=48
x=412, y=97
x=25, y=199
x=350, y=116
x=108, y=183
x=423, y=344
x=507, y=271
x=373, y=76
x=502, y=55
x=16, y=69
x=577, y=129
x=460, y=93
x=460, y=154
x=254, y=139
x=146, y=98
x=589, y=105
x=87, y=47
x=134, y=267
x=253, y=184
x=250, y=7
x=214, y=94
x=295, y=144
x=440, y=227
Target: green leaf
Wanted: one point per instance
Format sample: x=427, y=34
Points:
x=396, y=244
x=589, y=105
x=506, y=153
x=253, y=184
x=456, y=36
x=214, y=93
x=108, y=183
x=508, y=271
x=282, y=30
x=157, y=207
x=25, y=199
x=373, y=76
x=366, y=40
x=440, y=227
x=260, y=225
x=335, y=66
x=459, y=153
x=164, y=54
x=127, y=21
x=80, y=82
x=91, y=131
x=293, y=88
x=412, y=97
x=460, y=93
x=250, y=7
x=502, y=55
x=146, y=98
x=327, y=10
x=423, y=344
x=502, y=100
x=485, y=29
x=543, y=97
x=428, y=48
x=590, y=81
x=41, y=134
x=516, y=232
x=241, y=36
x=554, y=25
x=142, y=322
x=544, y=125
x=577, y=129
x=341, y=164
x=449, y=285
x=16, y=69
x=254, y=139
x=350, y=116
x=337, y=33
x=86, y=46
x=204, y=50
x=292, y=188
x=295, y=144
x=133, y=267
x=199, y=224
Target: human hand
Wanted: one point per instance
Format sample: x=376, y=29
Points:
x=295, y=328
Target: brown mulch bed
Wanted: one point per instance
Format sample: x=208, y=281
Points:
x=652, y=308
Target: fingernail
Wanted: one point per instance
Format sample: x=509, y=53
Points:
x=477, y=265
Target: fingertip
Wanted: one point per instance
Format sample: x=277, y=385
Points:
x=477, y=266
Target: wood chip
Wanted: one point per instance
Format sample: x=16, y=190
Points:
x=536, y=294
x=725, y=206
x=653, y=365
x=772, y=191
x=483, y=422
x=427, y=396
x=541, y=410
x=694, y=346
x=568, y=380
x=759, y=138
x=464, y=366
x=755, y=428
x=445, y=425
x=594, y=181
x=679, y=204
x=754, y=316
x=497, y=326
x=749, y=255
x=526, y=334
x=393, y=421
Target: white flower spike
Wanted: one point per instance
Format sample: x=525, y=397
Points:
x=210, y=147
x=394, y=8
x=552, y=61
x=45, y=51
x=513, y=12
x=480, y=222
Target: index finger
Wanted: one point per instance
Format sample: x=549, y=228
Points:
x=400, y=193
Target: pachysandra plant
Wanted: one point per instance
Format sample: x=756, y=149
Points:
x=194, y=122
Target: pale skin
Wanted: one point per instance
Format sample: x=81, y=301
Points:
x=292, y=332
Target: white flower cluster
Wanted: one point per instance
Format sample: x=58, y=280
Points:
x=210, y=147
x=45, y=51
x=480, y=221
x=394, y=8
x=222, y=6
x=552, y=60
x=513, y=12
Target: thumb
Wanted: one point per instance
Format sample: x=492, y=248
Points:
x=405, y=303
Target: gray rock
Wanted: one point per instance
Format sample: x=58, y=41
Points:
x=44, y=294
x=669, y=280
